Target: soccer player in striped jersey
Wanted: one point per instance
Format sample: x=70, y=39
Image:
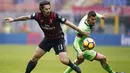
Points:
x=86, y=24
x=49, y=22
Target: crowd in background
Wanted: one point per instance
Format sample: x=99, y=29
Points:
x=16, y=8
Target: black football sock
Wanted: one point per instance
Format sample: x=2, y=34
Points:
x=74, y=67
x=31, y=65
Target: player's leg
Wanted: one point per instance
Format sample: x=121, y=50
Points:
x=78, y=61
x=65, y=60
x=60, y=49
x=88, y=54
x=102, y=59
x=33, y=62
x=44, y=46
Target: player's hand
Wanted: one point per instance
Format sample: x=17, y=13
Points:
x=81, y=55
x=9, y=20
x=105, y=15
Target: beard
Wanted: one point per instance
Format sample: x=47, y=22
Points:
x=46, y=14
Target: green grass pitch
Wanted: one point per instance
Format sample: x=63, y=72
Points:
x=14, y=58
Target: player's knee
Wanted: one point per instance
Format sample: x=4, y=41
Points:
x=104, y=59
x=79, y=61
x=64, y=60
x=35, y=58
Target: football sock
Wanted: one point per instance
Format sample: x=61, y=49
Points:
x=74, y=67
x=68, y=70
x=31, y=65
x=108, y=69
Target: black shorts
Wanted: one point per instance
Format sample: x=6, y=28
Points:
x=57, y=44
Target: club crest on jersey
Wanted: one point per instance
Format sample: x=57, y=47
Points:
x=50, y=21
x=41, y=20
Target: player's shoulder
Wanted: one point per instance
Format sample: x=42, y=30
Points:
x=36, y=13
x=39, y=13
x=85, y=16
x=57, y=15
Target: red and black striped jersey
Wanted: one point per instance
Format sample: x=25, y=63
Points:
x=50, y=25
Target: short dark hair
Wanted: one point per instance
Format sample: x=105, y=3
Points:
x=91, y=13
x=44, y=2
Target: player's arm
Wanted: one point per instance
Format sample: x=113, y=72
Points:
x=103, y=16
x=76, y=44
x=70, y=24
x=77, y=47
x=21, y=18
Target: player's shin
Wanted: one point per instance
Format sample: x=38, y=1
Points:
x=68, y=70
x=31, y=65
x=74, y=67
x=108, y=69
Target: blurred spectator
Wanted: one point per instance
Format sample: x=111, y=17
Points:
x=18, y=1
x=115, y=2
x=128, y=2
x=115, y=9
x=127, y=24
x=7, y=27
x=79, y=2
x=25, y=27
x=100, y=29
x=59, y=4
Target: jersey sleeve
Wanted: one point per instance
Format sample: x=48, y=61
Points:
x=98, y=15
x=34, y=16
x=60, y=18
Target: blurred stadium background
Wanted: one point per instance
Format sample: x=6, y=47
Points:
x=18, y=39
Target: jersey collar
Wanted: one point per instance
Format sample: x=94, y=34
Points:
x=88, y=24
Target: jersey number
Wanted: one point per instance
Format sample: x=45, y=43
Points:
x=60, y=47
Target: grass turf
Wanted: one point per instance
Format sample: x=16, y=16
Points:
x=14, y=59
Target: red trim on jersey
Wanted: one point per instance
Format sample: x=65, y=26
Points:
x=78, y=36
x=37, y=16
x=54, y=15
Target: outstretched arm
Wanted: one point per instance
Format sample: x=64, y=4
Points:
x=103, y=16
x=68, y=23
x=21, y=18
x=77, y=47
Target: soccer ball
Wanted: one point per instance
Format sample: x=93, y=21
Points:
x=89, y=43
